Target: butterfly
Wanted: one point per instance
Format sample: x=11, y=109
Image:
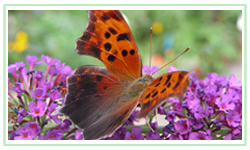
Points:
x=101, y=99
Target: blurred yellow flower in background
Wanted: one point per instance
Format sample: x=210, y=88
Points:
x=157, y=27
x=21, y=42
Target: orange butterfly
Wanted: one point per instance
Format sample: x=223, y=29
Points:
x=99, y=99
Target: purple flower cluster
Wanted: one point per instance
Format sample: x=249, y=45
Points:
x=211, y=108
x=34, y=96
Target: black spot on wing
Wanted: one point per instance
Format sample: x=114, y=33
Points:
x=124, y=53
x=111, y=58
x=107, y=35
x=107, y=46
x=169, y=84
x=123, y=36
x=132, y=51
x=168, y=78
x=154, y=94
x=177, y=84
x=113, y=31
x=148, y=96
x=163, y=90
x=157, y=84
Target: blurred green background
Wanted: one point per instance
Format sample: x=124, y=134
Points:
x=213, y=36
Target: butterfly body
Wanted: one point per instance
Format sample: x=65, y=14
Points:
x=101, y=99
x=136, y=87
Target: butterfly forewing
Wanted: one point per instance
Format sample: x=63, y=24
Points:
x=169, y=85
x=108, y=38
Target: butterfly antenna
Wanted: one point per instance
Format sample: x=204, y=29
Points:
x=172, y=60
x=150, y=53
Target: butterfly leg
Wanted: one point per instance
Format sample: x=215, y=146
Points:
x=147, y=120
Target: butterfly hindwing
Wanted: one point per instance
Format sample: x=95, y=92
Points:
x=108, y=38
x=107, y=124
x=96, y=101
x=173, y=84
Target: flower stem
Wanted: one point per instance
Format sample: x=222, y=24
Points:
x=38, y=120
x=57, y=79
x=73, y=130
x=47, y=72
x=21, y=100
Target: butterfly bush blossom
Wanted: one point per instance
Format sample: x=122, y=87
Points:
x=211, y=109
x=33, y=96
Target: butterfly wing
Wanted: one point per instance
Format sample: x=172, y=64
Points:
x=173, y=84
x=96, y=101
x=108, y=38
